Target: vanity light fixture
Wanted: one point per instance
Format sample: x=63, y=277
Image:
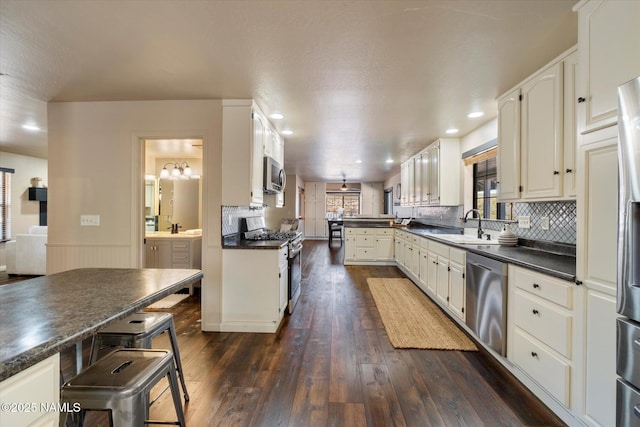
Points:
x=181, y=170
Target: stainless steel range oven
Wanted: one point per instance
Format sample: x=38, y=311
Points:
x=295, y=272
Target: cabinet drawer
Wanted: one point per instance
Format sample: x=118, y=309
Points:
x=180, y=246
x=457, y=256
x=424, y=243
x=365, y=231
x=387, y=232
x=415, y=239
x=365, y=253
x=350, y=231
x=439, y=249
x=365, y=241
x=180, y=258
x=549, y=370
x=554, y=290
x=550, y=325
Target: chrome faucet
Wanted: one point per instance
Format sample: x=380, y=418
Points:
x=480, y=232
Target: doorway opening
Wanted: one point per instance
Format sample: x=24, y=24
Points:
x=172, y=203
x=388, y=200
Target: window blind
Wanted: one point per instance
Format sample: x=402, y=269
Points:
x=5, y=203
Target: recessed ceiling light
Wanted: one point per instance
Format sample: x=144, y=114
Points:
x=287, y=132
x=450, y=131
x=277, y=116
x=389, y=160
x=33, y=128
x=358, y=161
x=475, y=114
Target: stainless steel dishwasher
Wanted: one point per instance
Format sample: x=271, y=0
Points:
x=486, y=300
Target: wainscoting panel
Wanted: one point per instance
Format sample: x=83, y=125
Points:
x=61, y=257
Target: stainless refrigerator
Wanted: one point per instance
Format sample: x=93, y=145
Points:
x=628, y=280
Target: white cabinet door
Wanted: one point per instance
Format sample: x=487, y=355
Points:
x=509, y=146
x=442, y=281
x=596, y=268
x=384, y=248
x=541, y=134
x=425, y=176
x=434, y=174
x=417, y=179
x=457, y=289
x=412, y=182
x=568, y=171
x=608, y=45
x=259, y=126
x=424, y=269
x=399, y=251
x=432, y=273
x=404, y=183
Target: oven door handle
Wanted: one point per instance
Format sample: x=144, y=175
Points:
x=295, y=251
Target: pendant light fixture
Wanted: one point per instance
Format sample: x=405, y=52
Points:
x=344, y=185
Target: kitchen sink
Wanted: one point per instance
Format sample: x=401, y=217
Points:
x=465, y=239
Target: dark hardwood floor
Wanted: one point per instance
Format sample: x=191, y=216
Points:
x=331, y=364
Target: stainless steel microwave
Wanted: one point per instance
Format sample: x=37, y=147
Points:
x=274, y=176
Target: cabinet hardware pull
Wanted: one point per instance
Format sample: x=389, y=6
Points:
x=535, y=311
x=536, y=286
x=578, y=282
x=581, y=100
x=534, y=354
x=556, y=172
x=569, y=171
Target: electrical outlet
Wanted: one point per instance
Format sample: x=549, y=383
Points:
x=90, y=220
x=524, y=222
x=544, y=222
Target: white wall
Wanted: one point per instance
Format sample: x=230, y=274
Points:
x=273, y=216
x=24, y=212
x=96, y=166
x=479, y=136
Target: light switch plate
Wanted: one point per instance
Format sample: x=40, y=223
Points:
x=90, y=220
x=544, y=222
x=524, y=222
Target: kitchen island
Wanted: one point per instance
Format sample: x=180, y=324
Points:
x=42, y=316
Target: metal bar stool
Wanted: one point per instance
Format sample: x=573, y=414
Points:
x=137, y=331
x=119, y=383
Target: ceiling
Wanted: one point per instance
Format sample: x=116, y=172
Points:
x=355, y=80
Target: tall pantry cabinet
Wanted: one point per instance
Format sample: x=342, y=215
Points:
x=315, y=224
x=608, y=47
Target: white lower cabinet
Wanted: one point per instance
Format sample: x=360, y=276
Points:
x=36, y=385
x=369, y=246
x=253, y=299
x=541, y=329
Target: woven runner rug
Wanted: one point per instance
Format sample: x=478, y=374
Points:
x=412, y=320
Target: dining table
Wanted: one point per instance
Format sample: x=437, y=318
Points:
x=42, y=316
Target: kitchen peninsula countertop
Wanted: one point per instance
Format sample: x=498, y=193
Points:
x=552, y=264
x=235, y=242
x=42, y=316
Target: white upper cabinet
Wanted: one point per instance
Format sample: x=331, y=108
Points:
x=609, y=49
x=536, y=135
x=432, y=177
x=509, y=146
x=541, y=134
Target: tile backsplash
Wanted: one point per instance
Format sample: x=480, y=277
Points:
x=231, y=217
x=562, y=219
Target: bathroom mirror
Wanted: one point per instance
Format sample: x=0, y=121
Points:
x=179, y=203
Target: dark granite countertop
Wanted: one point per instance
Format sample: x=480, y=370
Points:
x=233, y=242
x=553, y=264
x=42, y=316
